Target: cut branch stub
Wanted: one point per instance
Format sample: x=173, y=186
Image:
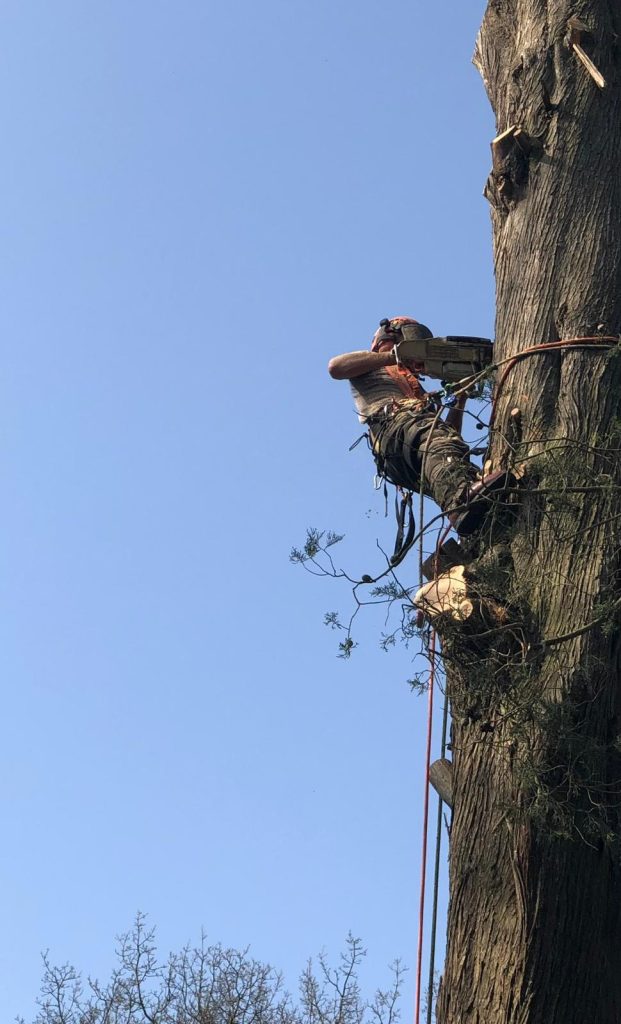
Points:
x=511, y=152
x=441, y=778
x=577, y=31
x=450, y=598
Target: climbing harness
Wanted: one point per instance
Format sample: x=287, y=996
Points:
x=404, y=510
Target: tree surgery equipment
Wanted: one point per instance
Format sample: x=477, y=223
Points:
x=451, y=358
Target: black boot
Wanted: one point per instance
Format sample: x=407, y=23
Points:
x=478, y=499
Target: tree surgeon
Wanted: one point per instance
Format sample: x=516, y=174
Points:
x=411, y=444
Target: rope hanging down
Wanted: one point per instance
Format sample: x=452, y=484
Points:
x=421, y=913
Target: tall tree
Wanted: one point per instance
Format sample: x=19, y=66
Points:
x=534, y=929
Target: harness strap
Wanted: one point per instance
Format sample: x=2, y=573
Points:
x=407, y=381
x=403, y=545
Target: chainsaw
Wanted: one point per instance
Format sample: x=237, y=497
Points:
x=450, y=359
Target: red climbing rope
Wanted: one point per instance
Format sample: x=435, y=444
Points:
x=592, y=341
x=421, y=913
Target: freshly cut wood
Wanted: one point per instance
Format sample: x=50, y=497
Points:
x=441, y=778
x=446, y=595
x=449, y=597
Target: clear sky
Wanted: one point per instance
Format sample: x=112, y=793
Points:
x=201, y=203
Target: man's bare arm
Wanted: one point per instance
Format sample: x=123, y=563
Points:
x=354, y=364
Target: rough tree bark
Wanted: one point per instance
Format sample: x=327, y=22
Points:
x=534, y=929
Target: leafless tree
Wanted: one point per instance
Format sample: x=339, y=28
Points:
x=210, y=984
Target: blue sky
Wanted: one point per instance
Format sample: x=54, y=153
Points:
x=203, y=202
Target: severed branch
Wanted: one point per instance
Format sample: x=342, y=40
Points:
x=577, y=30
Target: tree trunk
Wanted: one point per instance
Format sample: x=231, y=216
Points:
x=534, y=929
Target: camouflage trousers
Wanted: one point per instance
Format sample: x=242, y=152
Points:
x=403, y=440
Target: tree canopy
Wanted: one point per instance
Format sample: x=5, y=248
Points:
x=212, y=984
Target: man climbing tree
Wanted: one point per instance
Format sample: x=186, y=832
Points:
x=411, y=444
x=534, y=927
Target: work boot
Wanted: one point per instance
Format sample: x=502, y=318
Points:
x=478, y=499
x=446, y=557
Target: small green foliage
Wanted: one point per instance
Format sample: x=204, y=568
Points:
x=563, y=777
x=392, y=590
x=316, y=542
x=419, y=683
x=387, y=641
x=410, y=630
x=494, y=577
x=607, y=612
x=333, y=538
x=346, y=647
x=614, y=353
